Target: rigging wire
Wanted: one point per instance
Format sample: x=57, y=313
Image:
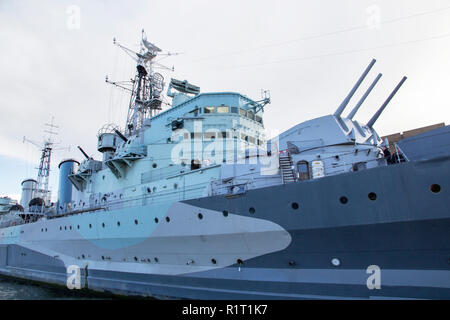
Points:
x=339, y=53
x=322, y=35
x=111, y=108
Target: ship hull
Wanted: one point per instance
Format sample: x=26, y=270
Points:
x=293, y=241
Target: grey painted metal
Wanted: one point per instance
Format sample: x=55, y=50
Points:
x=384, y=105
x=363, y=98
x=145, y=222
x=406, y=236
x=344, y=103
x=427, y=145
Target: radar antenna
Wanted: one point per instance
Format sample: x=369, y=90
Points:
x=260, y=104
x=147, y=86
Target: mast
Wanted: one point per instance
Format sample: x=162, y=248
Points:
x=45, y=162
x=146, y=87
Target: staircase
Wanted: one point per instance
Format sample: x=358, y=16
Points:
x=287, y=173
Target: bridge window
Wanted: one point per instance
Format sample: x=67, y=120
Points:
x=303, y=170
x=223, y=109
x=258, y=119
x=242, y=112
x=234, y=109
x=251, y=115
x=196, y=135
x=209, y=109
x=210, y=135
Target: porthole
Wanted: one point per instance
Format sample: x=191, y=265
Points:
x=156, y=220
x=65, y=227
x=45, y=229
x=82, y=256
x=156, y=259
x=167, y=219
x=70, y=227
x=148, y=260
x=239, y=261
x=335, y=262
x=200, y=216
x=90, y=226
x=252, y=210
x=103, y=258
x=154, y=165
x=372, y=196
x=435, y=188
x=78, y=226
x=343, y=200
x=294, y=205
x=103, y=225
x=225, y=213
x=136, y=222
x=213, y=261
x=175, y=186
x=118, y=223
x=292, y=263
x=149, y=190
x=135, y=259
x=60, y=228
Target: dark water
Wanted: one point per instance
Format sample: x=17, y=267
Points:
x=12, y=289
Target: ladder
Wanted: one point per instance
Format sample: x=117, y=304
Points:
x=287, y=172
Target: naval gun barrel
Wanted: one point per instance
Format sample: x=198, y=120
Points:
x=378, y=113
x=352, y=92
x=121, y=136
x=84, y=153
x=363, y=98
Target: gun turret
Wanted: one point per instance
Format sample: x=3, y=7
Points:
x=352, y=92
x=378, y=113
x=121, y=136
x=84, y=153
x=363, y=98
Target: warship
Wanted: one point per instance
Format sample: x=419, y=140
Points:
x=193, y=200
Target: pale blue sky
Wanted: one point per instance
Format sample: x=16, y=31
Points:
x=307, y=53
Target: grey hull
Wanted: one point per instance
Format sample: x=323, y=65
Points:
x=404, y=231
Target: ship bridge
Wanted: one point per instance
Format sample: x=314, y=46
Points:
x=227, y=117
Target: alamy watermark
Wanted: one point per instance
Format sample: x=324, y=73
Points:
x=212, y=146
x=74, y=277
x=373, y=21
x=374, y=280
x=73, y=20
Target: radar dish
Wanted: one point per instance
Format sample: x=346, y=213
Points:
x=150, y=46
x=158, y=81
x=108, y=128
